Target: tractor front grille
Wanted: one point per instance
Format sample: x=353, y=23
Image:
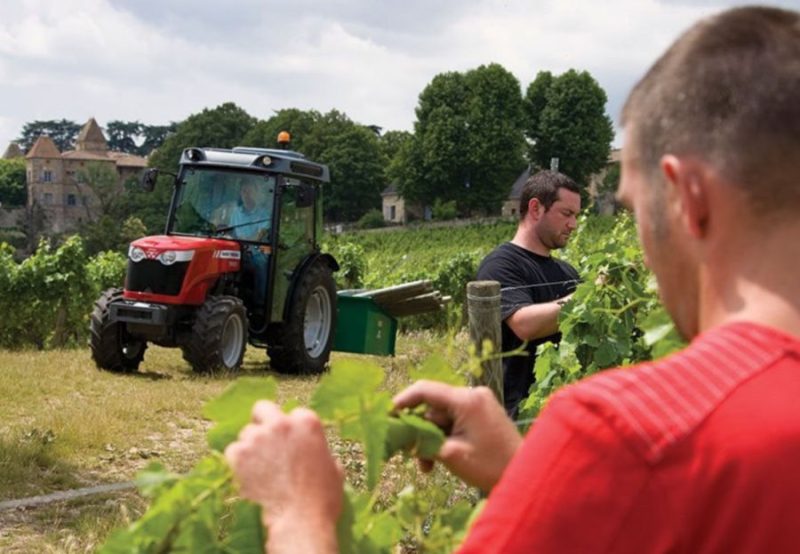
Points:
x=154, y=277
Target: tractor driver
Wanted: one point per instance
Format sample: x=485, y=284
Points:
x=252, y=220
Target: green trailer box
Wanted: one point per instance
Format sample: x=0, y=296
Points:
x=363, y=327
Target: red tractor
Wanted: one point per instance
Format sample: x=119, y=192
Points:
x=239, y=262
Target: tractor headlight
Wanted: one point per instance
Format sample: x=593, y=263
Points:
x=136, y=254
x=168, y=258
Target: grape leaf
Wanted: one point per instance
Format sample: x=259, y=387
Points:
x=246, y=535
x=437, y=368
x=232, y=409
x=411, y=433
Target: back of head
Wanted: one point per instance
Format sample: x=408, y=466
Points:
x=728, y=92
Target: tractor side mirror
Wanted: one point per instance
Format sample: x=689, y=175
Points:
x=148, y=179
x=305, y=196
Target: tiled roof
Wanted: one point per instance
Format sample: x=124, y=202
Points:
x=91, y=133
x=391, y=189
x=85, y=155
x=44, y=147
x=128, y=160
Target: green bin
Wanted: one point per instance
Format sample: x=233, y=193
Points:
x=363, y=327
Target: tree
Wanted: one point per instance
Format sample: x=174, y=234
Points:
x=222, y=127
x=391, y=142
x=101, y=228
x=567, y=120
x=122, y=135
x=13, y=187
x=298, y=123
x=351, y=151
x=468, y=142
x=63, y=132
x=154, y=136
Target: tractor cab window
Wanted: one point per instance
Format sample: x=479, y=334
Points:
x=213, y=202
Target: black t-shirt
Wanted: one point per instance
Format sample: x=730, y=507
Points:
x=516, y=269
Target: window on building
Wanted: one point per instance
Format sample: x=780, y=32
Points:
x=47, y=176
x=392, y=213
x=71, y=200
x=47, y=198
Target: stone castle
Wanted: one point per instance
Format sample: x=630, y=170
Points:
x=55, y=179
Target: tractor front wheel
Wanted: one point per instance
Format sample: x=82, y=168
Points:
x=219, y=335
x=113, y=349
x=303, y=343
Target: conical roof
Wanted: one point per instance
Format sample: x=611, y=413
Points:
x=91, y=137
x=44, y=147
x=13, y=151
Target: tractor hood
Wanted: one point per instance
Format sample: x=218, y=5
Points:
x=178, y=270
x=168, y=249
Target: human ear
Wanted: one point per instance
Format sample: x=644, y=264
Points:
x=534, y=206
x=689, y=186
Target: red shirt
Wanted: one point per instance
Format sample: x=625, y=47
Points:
x=696, y=453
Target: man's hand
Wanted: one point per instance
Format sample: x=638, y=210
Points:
x=481, y=439
x=283, y=463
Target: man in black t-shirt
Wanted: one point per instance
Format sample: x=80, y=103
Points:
x=533, y=284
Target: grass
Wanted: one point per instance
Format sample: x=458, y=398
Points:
x=68, y=425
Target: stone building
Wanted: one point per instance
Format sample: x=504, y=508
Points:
x=56, y=179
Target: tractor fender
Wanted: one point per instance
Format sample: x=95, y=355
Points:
x=310, y=260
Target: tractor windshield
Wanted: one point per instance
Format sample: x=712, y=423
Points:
x=216, y=202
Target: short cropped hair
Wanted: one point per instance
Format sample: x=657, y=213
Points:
x=728, y=92
x=544, y=186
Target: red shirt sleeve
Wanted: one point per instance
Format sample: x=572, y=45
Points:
x=570, y=488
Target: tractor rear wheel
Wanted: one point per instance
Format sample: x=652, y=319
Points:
x=303, y=343
x=113, y=349
x=219, y=335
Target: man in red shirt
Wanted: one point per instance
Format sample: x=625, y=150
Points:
x=698, y=452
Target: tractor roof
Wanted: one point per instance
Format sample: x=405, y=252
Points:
x=286, y=162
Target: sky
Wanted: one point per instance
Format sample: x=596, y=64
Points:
x=158, y=61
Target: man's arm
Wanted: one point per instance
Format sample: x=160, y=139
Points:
x=282, y=462
x=537, y=320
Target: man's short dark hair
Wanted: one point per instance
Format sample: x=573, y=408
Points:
x=728, y=92
x=544, y=186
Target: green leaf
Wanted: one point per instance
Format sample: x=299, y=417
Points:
x=413, y=434
x=339, y=392
x=437, y=368
x=605, y=355
x=232, y=410
x=152, y=478
x=246, y=535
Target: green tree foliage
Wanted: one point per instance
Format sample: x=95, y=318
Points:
x=222, y=127
x=351, y=151
x=567, y=120
x=122, y=135
x=100, y=227
x=391, y=142
x=13, y=187
x=468, y=142
x=62, y=131
x=298, y=123
x=154, y=136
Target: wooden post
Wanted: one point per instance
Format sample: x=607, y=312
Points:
x=483, y=310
